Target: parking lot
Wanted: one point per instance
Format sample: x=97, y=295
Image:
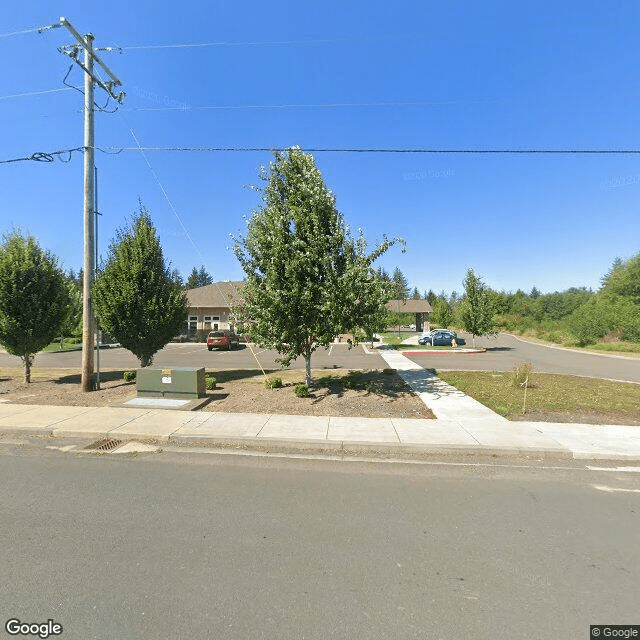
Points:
x=189, y=354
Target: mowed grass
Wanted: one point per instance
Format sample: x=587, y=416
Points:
x=547, y=393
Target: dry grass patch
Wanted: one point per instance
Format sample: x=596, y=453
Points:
x=551, y=397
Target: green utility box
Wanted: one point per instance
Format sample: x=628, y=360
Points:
x=174, y=382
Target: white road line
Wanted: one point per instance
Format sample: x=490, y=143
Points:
x=601, y=487
x=622, y=469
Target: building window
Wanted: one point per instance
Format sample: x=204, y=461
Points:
x=193, y=324
x=208, y=323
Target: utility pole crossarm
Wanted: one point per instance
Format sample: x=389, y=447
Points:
x=108, y=86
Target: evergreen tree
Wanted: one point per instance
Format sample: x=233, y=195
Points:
x=431, y=297
x=401, y=284
x=416, y=294
x=308, y=280
x=198, y=278
x=135, y=298
x=34, y=298
x=476, y=312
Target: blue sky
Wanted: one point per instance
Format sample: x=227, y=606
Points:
x=445, y=75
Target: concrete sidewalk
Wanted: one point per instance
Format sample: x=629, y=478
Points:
x=463, y=426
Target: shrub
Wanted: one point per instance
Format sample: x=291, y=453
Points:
x=211, y=382
x=301, y=390
x=273, y=383
x=388, y=371
x=350, y=381
x=520, y=373
x=129, y=376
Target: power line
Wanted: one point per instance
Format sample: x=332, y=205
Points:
x=32, y=30
x=268, y=43
x=48, y=156
x=388, y=150
x=32, y=93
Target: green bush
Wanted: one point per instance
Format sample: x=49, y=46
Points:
x=211, y=382
x=350, y=381
x=273, y=383
x=301, y=390
x=129, y=376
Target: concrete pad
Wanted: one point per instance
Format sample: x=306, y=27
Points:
x=158, y=424
x=397, y=361
x=136, y=447
x=491, y=433
x=40, y=417
x=362, y=430
x=224, y=425
x=437, y=432
x=296, y=427
x=588, y=440
x=98, y=421
x=13, y=409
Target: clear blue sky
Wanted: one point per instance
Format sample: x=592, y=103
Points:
x=409, y=75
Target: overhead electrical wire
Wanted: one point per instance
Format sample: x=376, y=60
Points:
x=48, y=156
x=264, y=43
x=33, y=93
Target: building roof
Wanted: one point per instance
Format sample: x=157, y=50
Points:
x=409, y=306
x=218, y=294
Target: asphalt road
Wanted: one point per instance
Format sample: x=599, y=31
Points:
x=207, y=546
x=502, y=354
x=196, y=355
x=505, y=352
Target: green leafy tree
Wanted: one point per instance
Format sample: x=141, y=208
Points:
x=476, y=312
x=135, y=298
x=442, y=314
x=416, y=294
x=624, y=279
x=72, y=325
x=307, y=279
x=34, y=298
x=431, y=297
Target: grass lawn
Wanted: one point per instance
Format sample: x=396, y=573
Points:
x=55, y=346
x=549, y=394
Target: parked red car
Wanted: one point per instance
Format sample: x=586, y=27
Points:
x=222, y=339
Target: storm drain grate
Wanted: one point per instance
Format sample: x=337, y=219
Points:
x=106, y=444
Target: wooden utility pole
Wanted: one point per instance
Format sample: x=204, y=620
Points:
x=88, y=322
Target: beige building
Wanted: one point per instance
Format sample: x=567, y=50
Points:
x=421, y=308
x=210, y=306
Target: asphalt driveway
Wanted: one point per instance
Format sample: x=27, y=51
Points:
x=506, y=351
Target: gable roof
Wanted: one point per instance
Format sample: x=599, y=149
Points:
x=409, y=306
x=218, y=294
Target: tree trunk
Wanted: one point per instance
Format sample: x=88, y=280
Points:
x=473, y=339
x=28, y=360
x=307, y=366
x=145, y=361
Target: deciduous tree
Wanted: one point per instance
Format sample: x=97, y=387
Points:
x=34, y=298
x=136, y=300
x=476, y=312
x=308, y=279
